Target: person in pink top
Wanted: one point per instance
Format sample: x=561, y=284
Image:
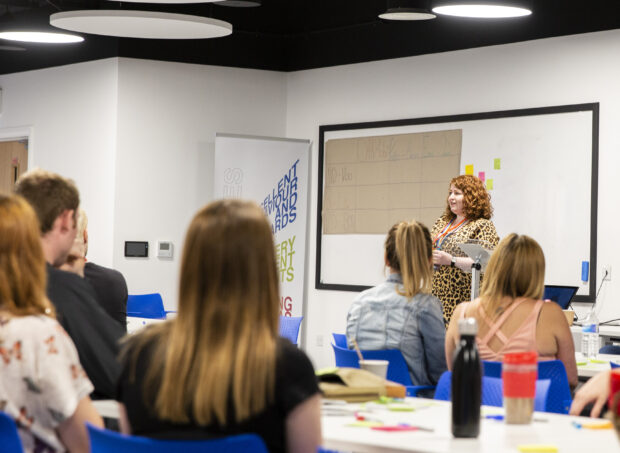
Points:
x=510, y=313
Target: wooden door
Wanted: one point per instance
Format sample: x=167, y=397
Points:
x=13, y=162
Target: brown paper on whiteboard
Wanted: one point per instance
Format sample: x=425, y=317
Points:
x=373, y=182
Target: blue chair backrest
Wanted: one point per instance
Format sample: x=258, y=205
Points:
x=610, y=349
x=492, y=391
x=397, y=369
x=289, y=327
x=104, y=441
x=146, y=306
x=614, y=364
x=340, y=340
x=559, y=396
x=9, y=438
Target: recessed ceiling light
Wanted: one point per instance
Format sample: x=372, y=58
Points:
x=40, y=37
x=141, y=24
x=481, y=10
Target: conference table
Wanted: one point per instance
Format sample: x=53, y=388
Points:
x=547, y=433
x=588, y=368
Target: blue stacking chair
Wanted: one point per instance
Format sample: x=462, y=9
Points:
x=289, y=327
x=340, y=340
x=104, y=441
x=492, y=391
x=146, y=306
x=610, y=349
x=559, y=397
x=397, y=368
x=9, y=438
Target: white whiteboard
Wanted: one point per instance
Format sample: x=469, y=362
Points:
x=545, y=188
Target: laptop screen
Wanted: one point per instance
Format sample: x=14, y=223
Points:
x=562, y=295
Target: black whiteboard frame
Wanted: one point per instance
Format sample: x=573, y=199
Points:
x=589, y=107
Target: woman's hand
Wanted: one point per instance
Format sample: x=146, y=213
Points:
x=441, y=258
x=596, y=391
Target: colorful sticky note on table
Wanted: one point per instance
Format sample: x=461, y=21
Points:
x=538, y=448
x=481, y=176
x=489, y=184
x=469, y=169
x=497, y=163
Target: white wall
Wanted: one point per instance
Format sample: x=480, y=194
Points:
x=168, y=115
x=568, y=70
x=71, y=111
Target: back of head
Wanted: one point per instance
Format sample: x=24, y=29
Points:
x=223, y=340
x=22, y=265
x=49, y=194
x=516, y=269
x=408, y=250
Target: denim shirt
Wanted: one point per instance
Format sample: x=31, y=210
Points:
x=380, y=318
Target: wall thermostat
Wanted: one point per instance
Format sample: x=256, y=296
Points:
x=164, y=249
x=137, y=249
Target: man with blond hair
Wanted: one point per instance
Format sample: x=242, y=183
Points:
x=95, y=334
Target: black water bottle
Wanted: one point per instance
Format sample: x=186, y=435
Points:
x=466, y=382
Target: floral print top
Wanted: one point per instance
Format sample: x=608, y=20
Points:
x=41, y=379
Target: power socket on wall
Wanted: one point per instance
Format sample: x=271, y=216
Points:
x=607, y=273
x=319, y=341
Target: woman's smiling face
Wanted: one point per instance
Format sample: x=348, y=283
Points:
x=455, y=200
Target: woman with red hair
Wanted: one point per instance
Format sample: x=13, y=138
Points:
x=466, y=218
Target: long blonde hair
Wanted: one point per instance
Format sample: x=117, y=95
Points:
x=516, y=269
x=408, y=250
x=22, y=264
x=222, y=344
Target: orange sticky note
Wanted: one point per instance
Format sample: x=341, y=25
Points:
x=469, y=169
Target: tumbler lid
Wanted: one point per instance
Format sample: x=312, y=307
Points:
x=526, y=357
x=468, y=326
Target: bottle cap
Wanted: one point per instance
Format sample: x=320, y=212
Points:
x=527, y=357
x=468, y=326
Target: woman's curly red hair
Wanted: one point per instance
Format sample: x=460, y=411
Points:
x=476, y=199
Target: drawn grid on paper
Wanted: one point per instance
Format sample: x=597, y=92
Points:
x=373, y=182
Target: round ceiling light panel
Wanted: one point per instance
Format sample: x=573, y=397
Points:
x=484, y=11
x=40, y=37
x=407, y=14
x=141, y=24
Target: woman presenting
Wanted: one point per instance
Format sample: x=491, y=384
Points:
x=467, y=217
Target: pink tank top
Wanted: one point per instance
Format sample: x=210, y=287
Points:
x=523, y=339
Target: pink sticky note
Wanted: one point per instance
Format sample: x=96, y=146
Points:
x=481, y=176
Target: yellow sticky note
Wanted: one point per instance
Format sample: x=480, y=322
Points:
x=489, y=183
x=538, y=448
x=364, y=424
x=469, y=169
x=497, y=163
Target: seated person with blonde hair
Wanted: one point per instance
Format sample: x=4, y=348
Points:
x=511, y=314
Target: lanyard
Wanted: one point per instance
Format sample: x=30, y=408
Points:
x=447, y=231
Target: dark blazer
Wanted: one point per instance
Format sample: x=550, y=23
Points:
x=111, y=291
x=94, y=333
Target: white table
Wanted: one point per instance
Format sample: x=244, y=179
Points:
x=495, y=436
x=592, y=368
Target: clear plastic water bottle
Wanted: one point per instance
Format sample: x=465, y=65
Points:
x=466, y=382
x=589, y=336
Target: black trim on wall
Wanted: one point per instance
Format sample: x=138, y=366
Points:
x=592, y=107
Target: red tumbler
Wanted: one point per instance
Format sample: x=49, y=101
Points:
x=519, y=373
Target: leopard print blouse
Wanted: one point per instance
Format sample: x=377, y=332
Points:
x=450, y=284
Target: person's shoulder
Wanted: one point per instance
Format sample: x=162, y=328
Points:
x=289, y=355
x=482, y=222
x=95, y=270
x=59, y=276
x=36, y=327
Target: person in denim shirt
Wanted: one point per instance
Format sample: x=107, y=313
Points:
x=400, y=313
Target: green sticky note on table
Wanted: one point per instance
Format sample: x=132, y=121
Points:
x=489, y=183
x=497, y=163
x=469, y=169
